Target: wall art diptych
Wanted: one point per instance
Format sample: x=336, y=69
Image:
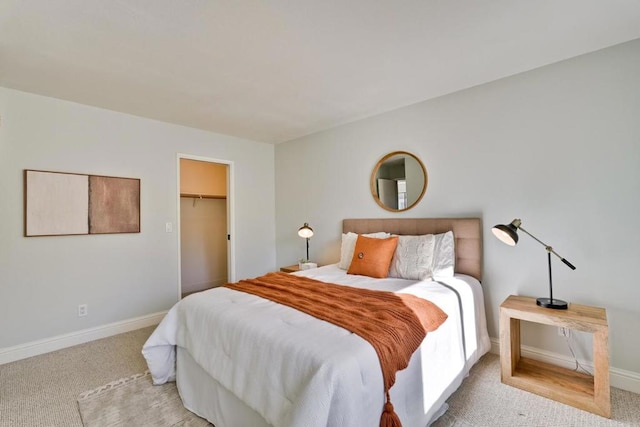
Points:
x=58, y=203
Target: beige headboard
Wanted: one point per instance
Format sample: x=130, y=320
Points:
x=467, y=233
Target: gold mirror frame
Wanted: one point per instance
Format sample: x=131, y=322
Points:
x=373, y=182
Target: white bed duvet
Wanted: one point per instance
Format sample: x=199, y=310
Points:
x=295, y=370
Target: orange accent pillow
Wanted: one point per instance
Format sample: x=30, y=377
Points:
x=372, y=257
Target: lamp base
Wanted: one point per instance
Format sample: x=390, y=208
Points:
x=558, y=304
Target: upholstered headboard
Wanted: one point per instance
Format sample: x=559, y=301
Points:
x=466, y=231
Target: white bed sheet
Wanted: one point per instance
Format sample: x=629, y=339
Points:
x=294, y=370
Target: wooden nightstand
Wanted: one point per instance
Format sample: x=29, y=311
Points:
x=563, y=385
x=290, y=268
x=294, y=268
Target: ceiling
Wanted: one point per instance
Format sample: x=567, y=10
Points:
x=275, y=70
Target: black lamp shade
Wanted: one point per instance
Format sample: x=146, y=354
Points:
x=305, y=231
x=506, y=233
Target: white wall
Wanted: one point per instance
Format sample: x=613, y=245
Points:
x=558, y=147
x=120, y=276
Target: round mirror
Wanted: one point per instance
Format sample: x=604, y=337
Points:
x=398, y=181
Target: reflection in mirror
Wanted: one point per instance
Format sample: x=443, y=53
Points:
x=398, y=181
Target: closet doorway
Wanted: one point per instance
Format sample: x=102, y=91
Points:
x=205, y=221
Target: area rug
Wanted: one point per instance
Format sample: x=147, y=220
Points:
x=135, y=401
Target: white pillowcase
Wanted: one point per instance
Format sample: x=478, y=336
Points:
x=441, y=253
x=444, y=257
x=348, y=246
x=413, y=258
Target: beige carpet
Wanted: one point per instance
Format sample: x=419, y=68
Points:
x=135, y=401
x=42, y=391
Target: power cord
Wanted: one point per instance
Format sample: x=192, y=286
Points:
x=567, y=337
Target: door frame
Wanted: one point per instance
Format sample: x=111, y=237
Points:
x=231, y=259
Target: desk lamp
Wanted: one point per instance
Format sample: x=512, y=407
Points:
x=509, y=235
x=306, y=232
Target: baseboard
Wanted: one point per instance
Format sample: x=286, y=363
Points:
x=35, y=348
x=619, y=378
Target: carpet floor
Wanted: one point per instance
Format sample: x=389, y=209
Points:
x=44, y=391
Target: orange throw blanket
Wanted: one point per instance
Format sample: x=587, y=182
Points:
x=394, y=324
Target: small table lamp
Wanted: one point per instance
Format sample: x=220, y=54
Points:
x=306, y=232
x=509, y=235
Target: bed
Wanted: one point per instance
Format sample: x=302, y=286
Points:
x=241, y=360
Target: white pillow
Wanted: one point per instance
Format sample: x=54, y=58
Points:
x=413, y=258
x=348, y=246
x=444, y=257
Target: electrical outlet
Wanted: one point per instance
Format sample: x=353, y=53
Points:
x=83, y=310
x=564, y=332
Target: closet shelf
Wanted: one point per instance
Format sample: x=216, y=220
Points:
x=201, y=196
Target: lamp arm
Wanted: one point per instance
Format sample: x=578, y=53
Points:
x=549, y=249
